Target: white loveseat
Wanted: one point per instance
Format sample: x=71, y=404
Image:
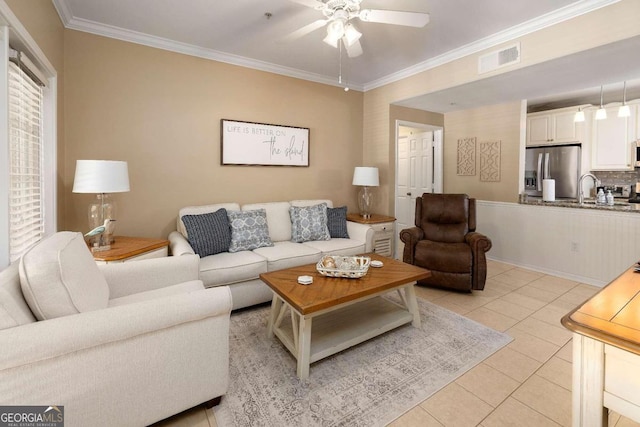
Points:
x=117, y=344
x=241, y=270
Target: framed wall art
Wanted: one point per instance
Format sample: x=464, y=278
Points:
x=248, y=143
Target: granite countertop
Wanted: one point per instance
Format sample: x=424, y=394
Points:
x=621, y=205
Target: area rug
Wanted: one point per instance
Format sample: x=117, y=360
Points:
x=370, y=384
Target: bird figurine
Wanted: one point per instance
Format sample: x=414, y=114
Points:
x=101, y=228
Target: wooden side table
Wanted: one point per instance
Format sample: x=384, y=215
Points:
x=125, y=249
x=383, y=227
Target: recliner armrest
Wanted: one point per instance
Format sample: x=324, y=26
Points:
x=410, y=237
x=179, y=245
x=478, y=241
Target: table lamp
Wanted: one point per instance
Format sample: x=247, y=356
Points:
x=101, y=177
x=365, y=177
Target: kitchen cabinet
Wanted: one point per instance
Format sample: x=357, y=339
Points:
x=613, y=140
x=553, y=127
x=606, y=353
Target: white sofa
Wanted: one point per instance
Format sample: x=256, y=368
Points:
x=241, y=270
x=116, y=344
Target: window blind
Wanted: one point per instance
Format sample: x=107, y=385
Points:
x=26, y=213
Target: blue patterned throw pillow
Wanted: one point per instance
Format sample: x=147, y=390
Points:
x=309, y=223
x=249, y=230
x=208, y=234
x=337, y=222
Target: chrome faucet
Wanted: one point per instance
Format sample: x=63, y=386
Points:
x=596, y=182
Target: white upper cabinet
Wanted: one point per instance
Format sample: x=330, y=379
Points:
x=613, y=140
x=553, y=127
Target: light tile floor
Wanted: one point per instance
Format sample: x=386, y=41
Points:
x=526, y=383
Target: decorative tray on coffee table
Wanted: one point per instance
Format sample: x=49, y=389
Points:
x=351, y=267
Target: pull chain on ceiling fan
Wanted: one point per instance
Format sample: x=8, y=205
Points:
x=339, y=13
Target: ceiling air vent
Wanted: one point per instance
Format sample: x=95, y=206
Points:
x=499, y=58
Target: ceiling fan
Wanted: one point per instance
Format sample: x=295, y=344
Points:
x=338, y=15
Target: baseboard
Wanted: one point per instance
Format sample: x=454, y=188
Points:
x=561, y=274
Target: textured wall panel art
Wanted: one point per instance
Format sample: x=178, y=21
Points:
x=467, y=156
x=490, y=161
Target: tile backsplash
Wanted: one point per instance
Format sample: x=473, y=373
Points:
x=618, y=177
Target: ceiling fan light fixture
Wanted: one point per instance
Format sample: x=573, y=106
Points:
x=331, y=41
x=335, y=29
x=351, y=35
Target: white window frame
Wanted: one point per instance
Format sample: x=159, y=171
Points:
x=12, y=31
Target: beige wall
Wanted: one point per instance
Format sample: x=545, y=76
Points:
x=161, y=112
x=493, y=123
x=578, y=34
x=42, y=22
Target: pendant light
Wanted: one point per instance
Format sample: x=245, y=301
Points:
x=601, y=114
x=624, y=110
x=579, y=117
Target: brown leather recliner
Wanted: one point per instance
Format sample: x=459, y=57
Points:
x=445, y=242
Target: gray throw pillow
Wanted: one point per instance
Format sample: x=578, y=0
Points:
x=337, y=222
x=208, y=234
x=249, y=230
x=309, y=223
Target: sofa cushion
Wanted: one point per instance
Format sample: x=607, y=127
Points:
x=199, y=210
x=309, y=223
x=181, y=288
x=249, y=230
x=209, y=233
x=14, y=310
x=337, y=246
x=59, y=277
x=288, y=254
x=227, y=268
x=337, y=222
x=277, y=219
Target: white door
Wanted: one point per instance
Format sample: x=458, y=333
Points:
x=415, y=171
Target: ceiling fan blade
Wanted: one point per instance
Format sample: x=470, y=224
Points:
x=304, y=30
x=396, y=17
x=354, y=50
x=309, y=3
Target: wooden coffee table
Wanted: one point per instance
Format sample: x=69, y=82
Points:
x=333, y=314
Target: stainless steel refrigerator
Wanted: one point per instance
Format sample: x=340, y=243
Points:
x=559, y=162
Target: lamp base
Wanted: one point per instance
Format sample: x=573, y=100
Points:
x=365, y=202
x=100, y=248
x=100, y=243
x=101, y=209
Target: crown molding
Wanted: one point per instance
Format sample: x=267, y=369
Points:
x=63, y=11
x=531, y=26
x=544, y=21
x=118, y=33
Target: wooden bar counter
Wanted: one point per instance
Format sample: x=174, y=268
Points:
x=606, y=352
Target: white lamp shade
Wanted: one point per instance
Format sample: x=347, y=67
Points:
x=579, y=117
x=601, y=114
x=624, y=111
x=366, y=176
x=101, y=176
